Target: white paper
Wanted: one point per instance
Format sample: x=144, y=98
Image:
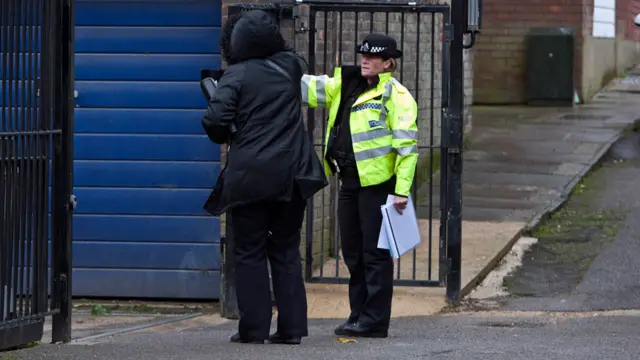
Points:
x=383, y=240
x=399, y=233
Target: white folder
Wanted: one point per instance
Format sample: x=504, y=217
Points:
x=398, y=233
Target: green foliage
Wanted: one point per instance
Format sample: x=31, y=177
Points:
x=99, y=310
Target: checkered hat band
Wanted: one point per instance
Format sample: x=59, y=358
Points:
x=372, y=49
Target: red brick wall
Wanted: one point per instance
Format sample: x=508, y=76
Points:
x=499, y=64
x=626, y=11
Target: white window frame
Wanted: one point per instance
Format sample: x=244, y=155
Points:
x=604, y=19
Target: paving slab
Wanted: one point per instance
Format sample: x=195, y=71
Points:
x=515, y=168
x=495, y=203
x=498, y=178
x=482, y=241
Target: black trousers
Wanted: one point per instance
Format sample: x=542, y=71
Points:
x=371, y=269
x=253, y=245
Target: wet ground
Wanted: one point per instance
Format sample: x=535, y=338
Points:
x=588, y=254
x=521, y=158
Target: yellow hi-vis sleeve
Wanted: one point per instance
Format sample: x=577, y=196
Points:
x=404, y=129
x=319, y=91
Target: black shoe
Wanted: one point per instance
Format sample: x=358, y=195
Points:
x=357, y=330
x=238, y=340
x=340, y=330
x=275, y=338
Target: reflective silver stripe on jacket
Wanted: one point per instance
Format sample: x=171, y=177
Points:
x=405, y=134
x=321, y=95
x=305, y=88
x=370, y=135
x=373, y=153
x=407, y=150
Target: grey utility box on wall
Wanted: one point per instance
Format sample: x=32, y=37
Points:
x=549, y=69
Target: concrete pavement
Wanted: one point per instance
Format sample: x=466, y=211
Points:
x=531, y=336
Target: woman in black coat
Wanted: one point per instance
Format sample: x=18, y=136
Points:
x=272, y=170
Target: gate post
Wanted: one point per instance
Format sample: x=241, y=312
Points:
x=454, y=152
x=228, y=300
x=63, y=202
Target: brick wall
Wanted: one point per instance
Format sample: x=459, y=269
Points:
x=626, y=11
x=499, y=64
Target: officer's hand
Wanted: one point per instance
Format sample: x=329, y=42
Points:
x=400, y=203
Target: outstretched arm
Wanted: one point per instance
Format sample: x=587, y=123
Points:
x=319, y=91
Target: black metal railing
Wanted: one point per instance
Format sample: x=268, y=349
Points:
x=36, y=118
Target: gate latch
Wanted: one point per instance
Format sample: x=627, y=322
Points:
x=73, y=202
x=448, y=32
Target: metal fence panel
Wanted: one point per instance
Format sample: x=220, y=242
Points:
x=34, y=117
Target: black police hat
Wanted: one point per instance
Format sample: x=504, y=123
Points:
x=380, y=45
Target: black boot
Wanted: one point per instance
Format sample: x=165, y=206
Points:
x=276, y=338
x=357, y=330
x=237, y=339
x=340, y=330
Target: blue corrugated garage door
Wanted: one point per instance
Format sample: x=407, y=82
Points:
x=143, y=167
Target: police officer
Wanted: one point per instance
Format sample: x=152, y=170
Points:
x=371, y=144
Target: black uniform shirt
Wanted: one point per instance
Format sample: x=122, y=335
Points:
x=344, y=145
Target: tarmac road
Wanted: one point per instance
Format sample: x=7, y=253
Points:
x=458, y=336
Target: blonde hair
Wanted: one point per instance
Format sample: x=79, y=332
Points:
x=393, y=66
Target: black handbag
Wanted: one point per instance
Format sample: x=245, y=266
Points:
x=213, y=205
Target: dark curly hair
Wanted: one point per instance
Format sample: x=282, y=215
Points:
x=225, y=36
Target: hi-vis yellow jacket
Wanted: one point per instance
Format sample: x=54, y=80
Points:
x=383, y=127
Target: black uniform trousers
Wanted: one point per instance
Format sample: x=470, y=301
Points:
x=253, y=245
x=371, y=269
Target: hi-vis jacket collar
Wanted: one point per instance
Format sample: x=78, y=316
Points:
x=379, y=90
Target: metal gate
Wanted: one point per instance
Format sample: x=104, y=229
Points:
x=422, y=32
x=36, y=124
x=425, y=34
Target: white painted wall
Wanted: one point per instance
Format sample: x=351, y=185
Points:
x=604, y=19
